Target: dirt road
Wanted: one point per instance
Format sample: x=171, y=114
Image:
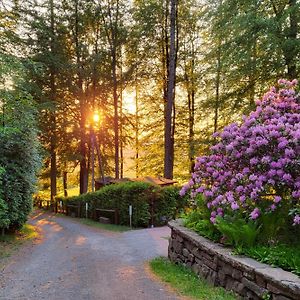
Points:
x=77, y=262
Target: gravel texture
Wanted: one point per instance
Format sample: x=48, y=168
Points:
x=77, y=262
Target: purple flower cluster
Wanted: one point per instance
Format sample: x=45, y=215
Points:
x=255, y=166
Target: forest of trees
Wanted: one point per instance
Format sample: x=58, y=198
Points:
x=188, y=67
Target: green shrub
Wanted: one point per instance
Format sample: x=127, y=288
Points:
x=198, y=220
x=4, y=221
x=237, y=231
x=19, y=158
x=151, y=204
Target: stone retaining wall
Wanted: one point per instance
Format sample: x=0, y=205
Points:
x=245, y=276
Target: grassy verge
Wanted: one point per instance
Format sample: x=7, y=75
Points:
x=110, y=227
x=186, y=283
x=92, y=223
x=11, y=242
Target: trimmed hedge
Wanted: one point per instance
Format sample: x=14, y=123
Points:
x=151, y=204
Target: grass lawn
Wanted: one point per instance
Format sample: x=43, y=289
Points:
x=186, y=283
x=110, y=227
x=11, y=242
x=89, y=222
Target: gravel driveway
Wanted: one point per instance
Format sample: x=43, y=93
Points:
x=74, y=261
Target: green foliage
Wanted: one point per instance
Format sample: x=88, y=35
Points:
x=168, y=205
x=10, y=242
x=265, y=239
x=4, y=221
x=186, y=282
x=237, y=231
x=284, y=256
x=151, y=204
x=19, y=157
x=198, y=220
x=273, y=225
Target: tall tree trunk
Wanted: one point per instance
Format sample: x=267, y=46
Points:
x=116, y=113
x=65, y=183
x=121, y=121
x=191, y=105
x=83, y=151
x=217, y=87
x=252, y=76
x=53, y=138
x=137, y=127
x=169, y=140
x=291, y=52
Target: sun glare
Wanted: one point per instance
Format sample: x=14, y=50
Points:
x=96, y=117
x=129, y=102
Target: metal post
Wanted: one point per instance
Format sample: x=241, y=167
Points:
x=130, y=216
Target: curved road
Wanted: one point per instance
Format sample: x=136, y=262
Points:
x=77, y=262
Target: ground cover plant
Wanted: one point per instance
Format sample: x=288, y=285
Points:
x=10, y=242
x=186, y=282
x=247, y=191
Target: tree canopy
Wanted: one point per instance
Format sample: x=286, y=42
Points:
x=162, y=75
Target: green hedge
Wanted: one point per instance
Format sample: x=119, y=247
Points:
x=151, y=204
x=19, y=161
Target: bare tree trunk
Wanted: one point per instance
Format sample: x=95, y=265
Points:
x=252, y=77
x=217, y=96
x=53, y=138
x=83, y=151
x=169, y=130
x=121, y=123
x=116, y=114
x=137, y=126
x=111, y=31
x=291, y=52
x=65, y=183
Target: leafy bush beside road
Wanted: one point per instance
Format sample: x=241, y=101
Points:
x=151, y=204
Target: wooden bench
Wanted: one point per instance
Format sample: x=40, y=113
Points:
x=71, y=208
x=115, y=212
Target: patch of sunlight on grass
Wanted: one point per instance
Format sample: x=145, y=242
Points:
x=92, y=223
x=186, y=283
x=10, y=242
x=109, y=227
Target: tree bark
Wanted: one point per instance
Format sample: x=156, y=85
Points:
x=168, y=134
x=137, y=127
x=65, y=183
x=116, y=113
x=83, y=180
x=53, y=138
x=217, y=91
x=291, y=52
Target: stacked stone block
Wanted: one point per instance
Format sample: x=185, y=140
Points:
x=245, y=276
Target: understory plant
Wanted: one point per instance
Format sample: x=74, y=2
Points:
x=251, y=180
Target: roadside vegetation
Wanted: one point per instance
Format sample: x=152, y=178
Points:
x=10, y=242
x=186, y=283
x=151, y=205
x=246, y=192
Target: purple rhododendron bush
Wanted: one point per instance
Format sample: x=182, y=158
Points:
x=253, y=171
